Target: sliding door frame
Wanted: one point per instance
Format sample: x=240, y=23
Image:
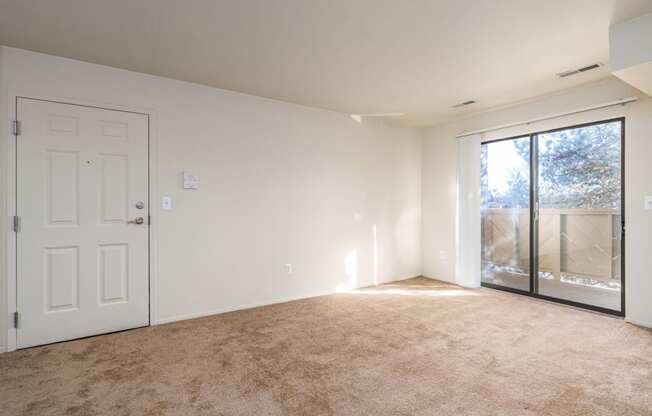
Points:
x=534, y=220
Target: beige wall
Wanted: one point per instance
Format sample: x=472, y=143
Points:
x=439, y=176
x=439, y=184
x=280, y=183
x=224, y=246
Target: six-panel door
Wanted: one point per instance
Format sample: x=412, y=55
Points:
x=82, y=266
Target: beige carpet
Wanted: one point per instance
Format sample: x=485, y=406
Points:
x=417, y=347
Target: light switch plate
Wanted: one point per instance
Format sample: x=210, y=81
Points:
x=648, y=202
x=166, y=202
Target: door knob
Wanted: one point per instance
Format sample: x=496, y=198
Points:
x=138, y=220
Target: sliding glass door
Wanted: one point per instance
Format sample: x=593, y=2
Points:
x=505, y=209
x=552, y=224
x=580, y=216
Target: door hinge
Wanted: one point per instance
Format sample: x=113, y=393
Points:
x=16, y=128
x=16, y=320
x=149, y=220
x=16, y=223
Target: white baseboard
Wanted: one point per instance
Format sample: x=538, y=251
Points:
x=239, y=308
x=454, y=282
x=201, y=314
x=451, y=281
x=253, y=305
x=638, y=323
x=406, y=278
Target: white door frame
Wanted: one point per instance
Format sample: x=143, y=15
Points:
x=12, y=284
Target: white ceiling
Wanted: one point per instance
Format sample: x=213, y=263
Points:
x=416, y=57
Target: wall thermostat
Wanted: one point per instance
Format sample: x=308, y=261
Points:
x=190, y=180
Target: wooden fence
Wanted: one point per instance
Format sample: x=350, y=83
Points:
x=578, y=242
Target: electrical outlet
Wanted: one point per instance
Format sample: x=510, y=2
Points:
x=443, y=255
x=289, y=269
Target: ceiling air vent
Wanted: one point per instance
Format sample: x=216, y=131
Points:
x=465, y=103
x=578, y=70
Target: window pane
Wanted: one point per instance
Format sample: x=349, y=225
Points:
x=579, y=216
x=505, y=191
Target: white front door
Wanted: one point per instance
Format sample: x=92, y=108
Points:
x=82, y=260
